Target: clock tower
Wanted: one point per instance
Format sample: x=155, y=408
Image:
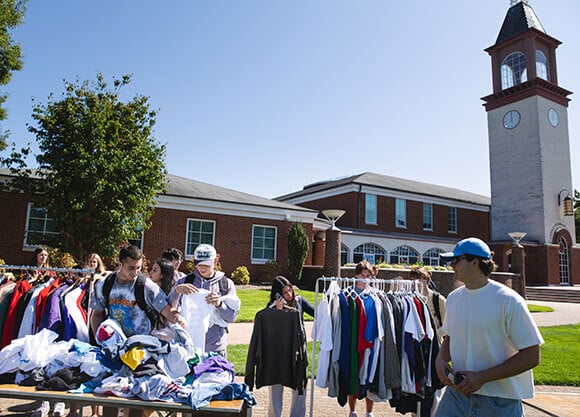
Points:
x=529, y=150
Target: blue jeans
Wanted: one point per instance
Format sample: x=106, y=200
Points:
x=454, y=404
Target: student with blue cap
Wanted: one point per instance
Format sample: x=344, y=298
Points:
x=492, y=342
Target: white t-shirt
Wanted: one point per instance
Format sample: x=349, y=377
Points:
x=487, y=326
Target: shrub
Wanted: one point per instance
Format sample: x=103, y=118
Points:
x=297, y=250
x=58, y=259
x=270, y=270
x=241, y=276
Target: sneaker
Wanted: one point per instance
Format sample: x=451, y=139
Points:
x=352, y=414
x=370, y=414
x=58, y=410
x=41, y=411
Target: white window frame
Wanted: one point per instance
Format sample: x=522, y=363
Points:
x=189, y=254
x=400, y=213
x=452, y=219
x=29, y=246
x=261, y=261
x=427, y=216
x=370, y=209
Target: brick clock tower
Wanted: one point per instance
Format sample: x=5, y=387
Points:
x=529, y=151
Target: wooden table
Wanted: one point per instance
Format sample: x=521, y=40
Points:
x=214, y=409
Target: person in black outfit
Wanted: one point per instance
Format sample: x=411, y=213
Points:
x=282, y=297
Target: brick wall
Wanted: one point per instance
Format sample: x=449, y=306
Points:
x=233, y=238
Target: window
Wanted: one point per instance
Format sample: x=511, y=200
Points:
x=452, y=219
x=563, y=262
x=198, y=232
x=404, y=255
x=542, y=68
x=431, y=257
x=263, y=244
x=369, y=251
x=343, y=254
x=427, y=216
x=400, y=213
x=513, y=70
x=38, y=224
x=370, y=209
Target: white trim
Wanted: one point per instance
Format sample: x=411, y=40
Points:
x=234, y=209
x=404, y=195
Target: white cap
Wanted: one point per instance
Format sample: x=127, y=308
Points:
x=204, y=254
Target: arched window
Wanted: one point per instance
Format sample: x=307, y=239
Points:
x=542, y=68
x=343, y=254
x=369, y=251
x=513, y=70
x=431, y=257
x=404, y=255
x=563, y=260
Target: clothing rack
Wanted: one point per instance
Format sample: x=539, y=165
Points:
x=37, y=268
x=86, y=271
x=400, y=284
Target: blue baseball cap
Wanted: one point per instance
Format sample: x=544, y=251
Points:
x=470, y=246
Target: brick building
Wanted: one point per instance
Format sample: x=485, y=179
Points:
x=394, y=220
x=246, y=229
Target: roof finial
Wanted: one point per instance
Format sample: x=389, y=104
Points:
x=514, y=2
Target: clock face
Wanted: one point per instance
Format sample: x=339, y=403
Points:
x=511, y=119
x=553, y=117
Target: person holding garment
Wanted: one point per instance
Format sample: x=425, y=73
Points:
x=436, y=305
x=122, y=304
x=216, y=310
x=491, y=343
x=162, y=273
x=282, y=296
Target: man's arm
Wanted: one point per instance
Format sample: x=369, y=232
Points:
x=97, y=317
x=525, y=359
x=172, y=315
x=442, y=363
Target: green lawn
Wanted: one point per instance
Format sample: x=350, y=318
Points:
x=539, y=309
x=256, y=299
x=560, y=354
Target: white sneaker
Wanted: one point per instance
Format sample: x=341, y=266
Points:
x=352, y=414
x=58, y=410
x=370, y=415
x=41, y=411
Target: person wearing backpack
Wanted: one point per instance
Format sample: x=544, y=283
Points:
x=436, y=304
x=132, y=300
x=222, y=301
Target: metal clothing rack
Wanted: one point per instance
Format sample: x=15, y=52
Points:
x=37, y=268
x=402, y=284
x=4, y=268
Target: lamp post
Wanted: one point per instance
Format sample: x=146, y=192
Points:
x=332, y=245
x=519, y=260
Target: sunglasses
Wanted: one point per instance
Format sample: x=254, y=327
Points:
x=457, y=259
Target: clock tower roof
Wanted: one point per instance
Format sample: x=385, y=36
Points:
x=519, y=19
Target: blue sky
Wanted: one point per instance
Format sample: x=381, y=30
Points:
x=267, y=96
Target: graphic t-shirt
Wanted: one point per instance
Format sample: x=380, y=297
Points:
x=123, y=307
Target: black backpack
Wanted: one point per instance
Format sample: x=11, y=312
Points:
x=437, y=308
x=153, y=316
x=222, y=283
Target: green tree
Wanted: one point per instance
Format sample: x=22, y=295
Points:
x=99, y=170
x=11, y=16
x=297, y=250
